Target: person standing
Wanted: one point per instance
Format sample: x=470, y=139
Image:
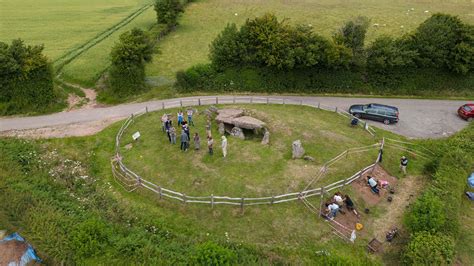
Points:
x=186, y=129
x=168, y=126
x=197, y=142
x=190, y=117
x=404, y=164
x=173, y=135
x=180, y=117
x=224, y=146
x=164, y=118
x=208, y=128
x=210, y=145
x=350, y=205
x=184, y=141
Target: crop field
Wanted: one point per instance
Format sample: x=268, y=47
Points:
x=87, y=67
x=67, y=29
x=203, y=20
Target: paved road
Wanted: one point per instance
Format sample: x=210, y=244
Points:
x=418, y=118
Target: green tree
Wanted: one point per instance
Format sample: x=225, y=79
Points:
x=128, y=56
x=444, y=41
x=26, y=78
x=352, y=35
x=227, y=49
x=429, y=249
x=168, y=11
x=385, y=53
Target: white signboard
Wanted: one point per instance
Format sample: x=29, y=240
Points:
x=136, y=135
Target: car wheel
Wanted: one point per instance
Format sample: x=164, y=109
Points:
x=386, y=121
x=470, y=119
x=357, y=115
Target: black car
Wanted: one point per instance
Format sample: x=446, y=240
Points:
x=373, y=111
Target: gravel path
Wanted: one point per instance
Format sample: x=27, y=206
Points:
x=418, y=118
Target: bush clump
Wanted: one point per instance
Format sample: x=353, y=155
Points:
x=429, y=249
x=128, y=56
x=210, y=253
x=26, y=79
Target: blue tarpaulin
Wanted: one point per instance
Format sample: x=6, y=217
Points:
x=470, y=180
x=29, y=254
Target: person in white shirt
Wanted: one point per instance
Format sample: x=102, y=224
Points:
x=333, y=208
x=373, y=184
x=338, y=199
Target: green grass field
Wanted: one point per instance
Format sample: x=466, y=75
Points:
x=64, y=27
x=250, y=169
x=87, y=67
x=203, y=20
x=60, y=25
x=285, y=233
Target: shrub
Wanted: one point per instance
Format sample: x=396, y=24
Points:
x=89, y=238
x=429, y=249
x=26, y=78
x=128, y=56
x=427, y=214
x=210, y=253
x=167, y=11
x=352, y=35
x=444, y=41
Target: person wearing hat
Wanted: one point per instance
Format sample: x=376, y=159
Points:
x=224, y=146
x=404, y=164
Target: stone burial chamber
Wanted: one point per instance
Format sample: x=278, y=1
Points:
x=237, y=124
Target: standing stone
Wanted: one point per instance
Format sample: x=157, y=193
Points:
x=266, y=137
x=221, y=128
x=298, y=150
x=237, y=132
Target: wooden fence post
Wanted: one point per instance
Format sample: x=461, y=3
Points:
x=301, y=102
x=199, y=101
x=272, y=200
x=163, y=105
x=146, y=109
x=184, y=198
x=335, y=110
x=321, y=204
x=233, y=99
x=319, y=105
x=242, y=205
x=217, y=100
x=251, y=99
x=132, y=116
x=212, y=200
x=181, y=103
x=160, y=192
x=268, y=100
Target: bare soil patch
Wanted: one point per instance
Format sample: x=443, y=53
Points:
x=11, y=251
x=364, y=191
x=61, y=131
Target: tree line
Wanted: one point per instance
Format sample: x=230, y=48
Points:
x=267, y=47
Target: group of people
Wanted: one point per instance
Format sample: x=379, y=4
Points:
x=337, y=202
x=185, y=136
x=375, y=184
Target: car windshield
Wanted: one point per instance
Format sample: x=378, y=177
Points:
x=467, y=108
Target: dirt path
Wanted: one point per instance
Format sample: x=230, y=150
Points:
x=406, y=190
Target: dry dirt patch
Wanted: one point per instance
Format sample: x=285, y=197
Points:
x=363, y=190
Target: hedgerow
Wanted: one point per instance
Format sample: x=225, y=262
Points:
x=434, y=219
x=265, y=54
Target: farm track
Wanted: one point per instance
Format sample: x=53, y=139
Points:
x=68, y=57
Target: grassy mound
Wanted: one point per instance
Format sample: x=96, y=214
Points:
x=250, y=169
